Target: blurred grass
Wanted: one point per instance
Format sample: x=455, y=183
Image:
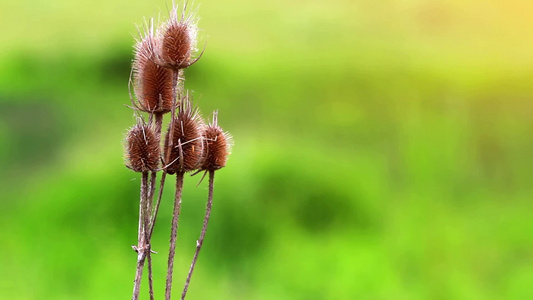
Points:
x=382, y=151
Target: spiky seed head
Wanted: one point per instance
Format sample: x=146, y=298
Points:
x=216, y=146
x=152, y=82
x=187, y=147
x=178, y=40
x=142, y=149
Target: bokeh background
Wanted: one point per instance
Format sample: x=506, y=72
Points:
x=383, y=150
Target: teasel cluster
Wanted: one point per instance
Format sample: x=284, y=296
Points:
x=189, y=145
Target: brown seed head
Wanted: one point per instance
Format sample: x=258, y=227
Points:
x=152, y=82
x=217, y=146
x=178, y=41
x=187, y=147
x=142, y=149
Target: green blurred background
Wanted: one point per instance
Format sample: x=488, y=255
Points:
x=383, y=150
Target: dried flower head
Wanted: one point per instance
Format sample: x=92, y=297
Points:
x=152, y=82
x=187, y=147
x=216, y=146
x=178, y=40
x=142, y=149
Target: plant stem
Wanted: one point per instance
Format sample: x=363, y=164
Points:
x=150, y=279
x=202, y=234
x=149, y=205
x=148, y=245
x=138, y=275
x=141, y=242
x=158, y=124
x=179, y=187
x=157, y=129
x=174, y=233
x=175, y=83
x=156, y=209
x=151, y=190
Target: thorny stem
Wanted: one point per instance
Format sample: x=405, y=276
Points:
x=153, y=178
x=150, y=279
x=158, y=124
x=175, y=84
x=202, y=235
x=156, y=210
x=138, y=275
x=141, y=245
x=148, y=247
x=149, y=206
x=174, y=233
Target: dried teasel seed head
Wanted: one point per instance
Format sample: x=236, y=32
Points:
x=152, y=82
x=187, y=147
x=142, y=149
x=178, y=40
x=217, y=144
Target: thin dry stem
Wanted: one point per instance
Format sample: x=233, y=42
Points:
x=153, y=179
x=174, y=234
x=156, y=209
x=150, y=279
x=158, y=124
x=157, y=130
x=138, y=275
x=151, y=216
x=146, y=233
x=200, y=241
x=175, y=84
x=141, y=245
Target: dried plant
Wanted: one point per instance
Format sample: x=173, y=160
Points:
x=178, y=40
x=157, y=79
x=185, y=155
x=142, y=150
x=215, y=154
x=152, y=82
x=187, y=152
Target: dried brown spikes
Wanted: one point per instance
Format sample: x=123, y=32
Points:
x=176, y=45
x=216, y=148
x=152, y=82
x=187, y=148
x=178, y=39
x=142, y=149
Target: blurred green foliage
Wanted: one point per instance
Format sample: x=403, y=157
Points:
x=382, y=151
